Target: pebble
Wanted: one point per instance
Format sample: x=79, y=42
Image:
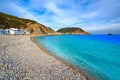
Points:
x=21, y=59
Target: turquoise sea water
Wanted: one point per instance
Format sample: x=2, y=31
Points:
x=96, y=55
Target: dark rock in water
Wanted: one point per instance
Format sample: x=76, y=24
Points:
x=110, y=34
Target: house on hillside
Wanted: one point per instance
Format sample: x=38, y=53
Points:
x=16, y=31
x=8, y=31
x=3, y=32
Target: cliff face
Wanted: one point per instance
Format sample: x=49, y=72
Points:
x=36, y=28
x=9, y=21
x=72, y=31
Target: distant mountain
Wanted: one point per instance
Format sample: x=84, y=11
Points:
x=9, y=21
x=72, y=30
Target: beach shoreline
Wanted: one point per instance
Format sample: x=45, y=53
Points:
x=48, y=53
x=20, y=58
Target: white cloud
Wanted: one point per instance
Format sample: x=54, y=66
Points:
x=106, y=8
x=61, y=16
x=102, y=28
x=104, y=14
x=17, y=10
x=23, y=12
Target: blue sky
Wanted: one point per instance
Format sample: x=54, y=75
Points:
x=95, y=16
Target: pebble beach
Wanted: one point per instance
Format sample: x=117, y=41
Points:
x=21, y=59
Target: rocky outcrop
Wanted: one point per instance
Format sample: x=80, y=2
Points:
x=32, y=27
x=72, y=30
x=36, y=28
x=9, y=21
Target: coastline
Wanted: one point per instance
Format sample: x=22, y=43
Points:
x=48, y=53
x=20, y=58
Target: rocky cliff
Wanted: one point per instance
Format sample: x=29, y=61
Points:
x=9, y=21
x=36, y=28
x=72, y=30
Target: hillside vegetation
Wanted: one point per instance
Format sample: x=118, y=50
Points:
x=9, y=21
x=72, y=30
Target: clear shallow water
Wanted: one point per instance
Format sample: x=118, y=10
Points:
x=97, y=55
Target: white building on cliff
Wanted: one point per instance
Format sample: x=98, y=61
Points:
x=3, y=31
x=15, y=31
